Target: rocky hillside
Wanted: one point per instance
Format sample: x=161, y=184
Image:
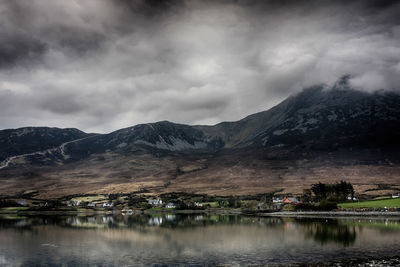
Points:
x=32, y=139
x=321, y=118
x=317, y=118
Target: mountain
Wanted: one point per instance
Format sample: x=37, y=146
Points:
x=157, y=138
x=31, y=139
x=319, y=134
x=320, y=118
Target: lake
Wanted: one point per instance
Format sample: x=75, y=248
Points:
x=190, y=240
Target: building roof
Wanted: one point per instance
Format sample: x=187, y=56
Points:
x=290, y=199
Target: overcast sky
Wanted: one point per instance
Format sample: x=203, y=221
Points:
x=101, y=65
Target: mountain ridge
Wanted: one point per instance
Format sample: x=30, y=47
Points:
x=32, y=139
x=318, y=134
x=249, y=127
x=316, y=113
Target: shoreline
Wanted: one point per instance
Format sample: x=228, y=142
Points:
x=287, y=214
x=119, y=212
x=384, y=261
x=333, y=214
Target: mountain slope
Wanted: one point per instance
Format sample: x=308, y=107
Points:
x=155, y=138
x=320, y=134
x=32, y=139
x=319, y=117
x=316, y=118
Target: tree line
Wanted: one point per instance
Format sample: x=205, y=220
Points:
x=335, y=192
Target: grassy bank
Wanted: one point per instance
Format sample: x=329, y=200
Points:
x=8, y=210
x=381, y=203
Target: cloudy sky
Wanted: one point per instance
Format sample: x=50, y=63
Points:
x=100, y=65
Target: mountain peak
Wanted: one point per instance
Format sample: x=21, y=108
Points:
x=343, y=82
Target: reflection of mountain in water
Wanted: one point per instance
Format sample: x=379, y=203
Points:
x=175, y=239
x=330, y=231
x=139, y=221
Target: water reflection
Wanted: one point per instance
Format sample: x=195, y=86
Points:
x=330, y=230
x=139, y=221
x=189, y=239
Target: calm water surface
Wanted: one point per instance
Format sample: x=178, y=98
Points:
x=190, y=240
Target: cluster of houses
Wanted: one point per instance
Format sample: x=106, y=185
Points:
x=152, y=202
x=277, y=203
x=171, y=205
x=74, y=203
x=159, y=203
x=285, y=200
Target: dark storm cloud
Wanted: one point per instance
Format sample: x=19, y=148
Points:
x=150, y=8
x=101, y=65
x=31, y=26
x=20, y=50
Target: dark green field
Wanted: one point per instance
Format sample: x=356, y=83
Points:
x=382, y=203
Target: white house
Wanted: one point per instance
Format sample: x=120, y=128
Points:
x=155, y=202
x=108, y=205
x=277, y=200
x=170, y=205
x=74, y=203
x=21, y=202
